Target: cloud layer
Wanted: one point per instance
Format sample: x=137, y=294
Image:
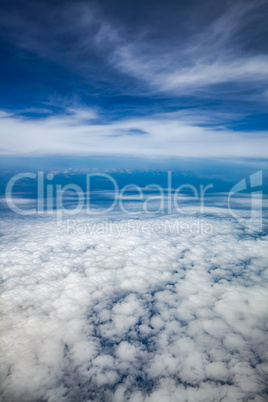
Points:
x=81, y=132
x=151, y=315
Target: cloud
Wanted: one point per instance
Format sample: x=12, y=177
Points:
x=149, y=315
x=80, y=131
x=75, y=35
x=212, y=56
x=220, y=45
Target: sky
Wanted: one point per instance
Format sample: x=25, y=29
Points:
x=140, y=80
x=133, y=196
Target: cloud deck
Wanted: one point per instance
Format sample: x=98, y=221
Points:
x=155, y=316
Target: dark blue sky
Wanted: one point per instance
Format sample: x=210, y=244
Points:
x=134, y=78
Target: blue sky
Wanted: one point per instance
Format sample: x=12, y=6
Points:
x=155, y=80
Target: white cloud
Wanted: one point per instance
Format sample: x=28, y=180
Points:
x=194, y=57
x=167, y=75
x=213, y=55
x=153, y=316
x=178, y=134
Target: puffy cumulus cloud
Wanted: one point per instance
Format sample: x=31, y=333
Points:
x=148, y=315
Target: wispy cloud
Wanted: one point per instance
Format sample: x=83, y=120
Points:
x=214, y=55
x=209, y=57
x=82, y=132
x=220, y=51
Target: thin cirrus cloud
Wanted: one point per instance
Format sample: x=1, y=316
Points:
x=205, y=52
x=213, y=56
